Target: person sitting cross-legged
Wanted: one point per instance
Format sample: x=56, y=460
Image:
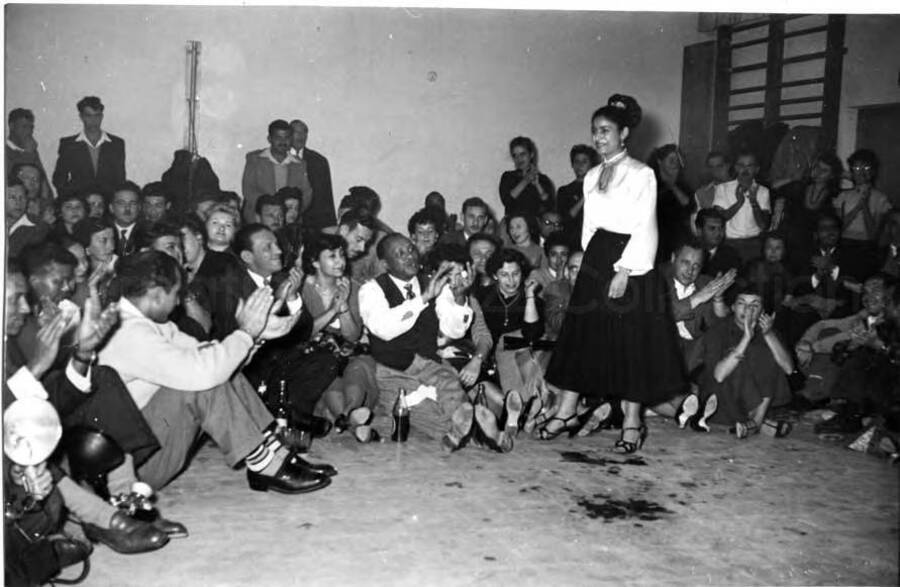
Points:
x=184, y=387
x=746, y=366
x=399, y=310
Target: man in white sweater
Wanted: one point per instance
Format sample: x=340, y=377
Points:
x=183, y=386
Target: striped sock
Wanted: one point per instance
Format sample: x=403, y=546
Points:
x=265, y=455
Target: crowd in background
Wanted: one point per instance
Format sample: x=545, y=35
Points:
x=264, y=318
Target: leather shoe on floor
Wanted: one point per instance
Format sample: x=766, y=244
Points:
x=288, y=479
x=319, y=468
x=512, y=408
x=70, y=551
x=492, y=437
x=126, y=535
x=461, y=425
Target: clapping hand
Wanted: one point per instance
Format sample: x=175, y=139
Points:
x=288, y=289
x=278, y=326
x=438, y=281
x=765, y=322
x=47, y=344
x=96, y=323
x=716, y=287
x=341, y=295
x=253, y=313
x=461, y=282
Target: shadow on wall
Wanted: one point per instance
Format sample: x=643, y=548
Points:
x=650, y=134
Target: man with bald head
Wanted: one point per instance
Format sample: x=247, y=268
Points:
x=399, y=309
x=320, y=212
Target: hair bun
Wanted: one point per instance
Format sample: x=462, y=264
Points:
x=633, y=112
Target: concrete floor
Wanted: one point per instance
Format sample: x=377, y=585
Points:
x=693, y=509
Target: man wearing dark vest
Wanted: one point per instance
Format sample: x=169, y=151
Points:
x=398, y=309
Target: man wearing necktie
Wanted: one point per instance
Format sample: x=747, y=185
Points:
x=125, y=208
x=306, y=375
x=398, y=309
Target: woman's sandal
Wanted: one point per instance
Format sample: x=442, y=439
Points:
x=746, y=429
x=572, y=425
x=777, y=428
x=628, y=447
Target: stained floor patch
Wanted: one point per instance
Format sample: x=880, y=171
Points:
x=603, y=506
x=584, y=459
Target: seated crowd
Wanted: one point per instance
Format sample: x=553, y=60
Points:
x=148, y=316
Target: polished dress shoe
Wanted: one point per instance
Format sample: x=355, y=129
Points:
x=138, y=506
x=70, y=551
x=319, y=468
x=126, y=535
x=172, y=528
x=288, y=479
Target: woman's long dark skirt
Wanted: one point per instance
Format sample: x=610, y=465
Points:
x=625, y=348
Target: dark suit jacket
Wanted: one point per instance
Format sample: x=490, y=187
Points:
x=726, y=258
x=75, y=172
x=25, y=236
x=321, y=211
x=697, y=320
x=134, y=242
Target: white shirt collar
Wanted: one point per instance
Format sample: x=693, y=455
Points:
x=258, y=279
x=401, y=285
x=22, y=221
x=14, y=146
x=683, y=291
x=298, y=153
x=104, y=138
x=289, y=158
x=126, y=229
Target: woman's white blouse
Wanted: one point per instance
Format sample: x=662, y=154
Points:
x=628, y=206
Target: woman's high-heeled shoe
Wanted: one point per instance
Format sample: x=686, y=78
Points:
x=572, y=425
x=628, y=447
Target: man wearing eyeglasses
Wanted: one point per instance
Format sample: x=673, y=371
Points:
x=550, y=222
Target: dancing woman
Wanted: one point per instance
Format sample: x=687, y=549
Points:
x=617, y=341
